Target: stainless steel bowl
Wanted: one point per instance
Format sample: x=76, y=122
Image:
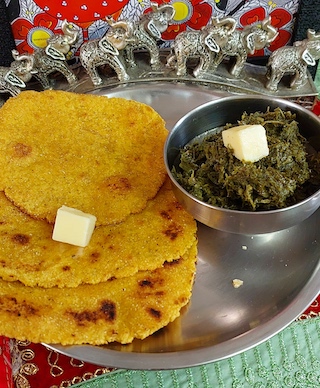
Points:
x=215, y=114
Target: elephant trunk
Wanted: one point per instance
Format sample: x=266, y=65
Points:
x=120, y=34
x=312, y=35
x=127, y=26
x=169, y=11
x=165, y=9
x=272, y=32
x=228, y=23
x=222, y=29
x=154, y=6
x=70, y=32
x=29, y=59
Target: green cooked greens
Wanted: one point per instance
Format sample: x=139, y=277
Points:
x=209, y=171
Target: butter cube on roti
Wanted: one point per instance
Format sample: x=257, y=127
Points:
x=73, y=226
x=248, y=142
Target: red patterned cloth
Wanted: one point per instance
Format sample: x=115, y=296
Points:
x=27, y=365
x=313, y=310
x=32, y=364
x=6, y=380
x=316, y=107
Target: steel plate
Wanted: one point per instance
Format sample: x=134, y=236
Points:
x=280, y=273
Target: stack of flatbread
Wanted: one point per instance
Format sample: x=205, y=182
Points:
x=103, y=156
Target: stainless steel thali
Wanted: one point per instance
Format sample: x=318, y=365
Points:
x=280, y=273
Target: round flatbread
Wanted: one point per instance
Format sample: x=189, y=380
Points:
x=103, y=156
x=144, y=241
x=118, y=310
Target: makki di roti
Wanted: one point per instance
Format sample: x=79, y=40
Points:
x=161, y=232
x=104, y=157
x=88, y=152
x=117, y=310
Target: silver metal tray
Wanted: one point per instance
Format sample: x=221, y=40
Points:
x=280, y=273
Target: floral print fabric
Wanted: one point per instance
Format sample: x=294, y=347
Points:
x=34, y=21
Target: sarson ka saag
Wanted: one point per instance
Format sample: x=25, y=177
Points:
x=209, y=171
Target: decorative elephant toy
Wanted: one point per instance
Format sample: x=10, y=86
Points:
x=293, y=60
x=147, y=32
x=52, y=58
x=203, y=44
x=14, y=78
x=243, y=42
x=106, y=51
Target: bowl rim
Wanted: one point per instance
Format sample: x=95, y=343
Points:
x=222, y=100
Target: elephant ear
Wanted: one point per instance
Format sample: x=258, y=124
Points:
x=308, y=58
x=107, y=47
x=210, y=42
x=169, y=11
x=304, y=53
x=54, y=53
x=250, y=43
x=153, y=29
x=14, y=80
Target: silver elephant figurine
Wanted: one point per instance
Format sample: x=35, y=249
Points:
x=147, y=31
x=202, y=44
x=52, y=58
x=293, y=60
x=14, y=78
x=241, y=43
x=106, y=51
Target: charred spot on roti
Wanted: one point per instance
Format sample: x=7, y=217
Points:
x=18, y=308
x=146, y=283
x=153, y=287
x=154, y=313
x=21, y=150
x=106, y=312
x=109, y=310
x=154, y=283
x=173, y=231
x=164, y=214
x=117, y=184
x=83, y=317
x=172, y=263
x=177, y=205
x=27, y=310
x=20, y=239
x=95, y=255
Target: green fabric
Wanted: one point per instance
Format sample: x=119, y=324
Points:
x=289, y=359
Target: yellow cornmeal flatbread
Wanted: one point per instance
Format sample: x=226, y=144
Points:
x=119, y=310
x=101, y=155
x=161, y=232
